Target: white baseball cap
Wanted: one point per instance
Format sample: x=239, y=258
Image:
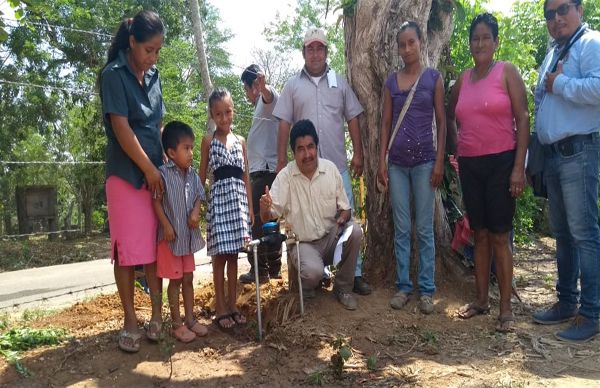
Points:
x=315, y=34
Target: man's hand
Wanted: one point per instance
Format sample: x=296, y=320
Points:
x=266, y=201
x=550, y=77
x=357, y=165
x=344, y=217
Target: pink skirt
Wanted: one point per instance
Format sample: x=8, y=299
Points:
x=133, y=224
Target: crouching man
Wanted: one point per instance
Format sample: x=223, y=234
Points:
x=309, y=194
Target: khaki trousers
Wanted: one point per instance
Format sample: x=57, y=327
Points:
x=315, y=255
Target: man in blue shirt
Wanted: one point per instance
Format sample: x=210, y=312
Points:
x=567, y=123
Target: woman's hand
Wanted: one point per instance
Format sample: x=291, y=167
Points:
x=382, y=175
x=154, y=182
x=517, y=182
x=438, y=173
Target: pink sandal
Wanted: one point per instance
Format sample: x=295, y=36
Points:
x=183, y=334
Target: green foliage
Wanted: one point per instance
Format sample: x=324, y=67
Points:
x=372, y=363
x=527, y=216
x=341, y=355
x=316, y=378
x=288, y=33
x=20, y=339
x=25, y=338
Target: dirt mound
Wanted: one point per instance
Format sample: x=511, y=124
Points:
x=386, y=347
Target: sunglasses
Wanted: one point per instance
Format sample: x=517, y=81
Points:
x=562, y=10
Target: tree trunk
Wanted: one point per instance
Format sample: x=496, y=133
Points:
x=371, y=55
x=201, y=54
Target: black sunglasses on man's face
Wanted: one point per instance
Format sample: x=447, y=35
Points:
x=562, y=10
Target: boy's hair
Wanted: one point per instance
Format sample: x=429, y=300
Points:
x=174, y=132
x=218, y=94
x=300, y=129
x=249, y=74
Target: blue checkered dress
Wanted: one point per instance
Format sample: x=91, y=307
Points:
x=228, y=220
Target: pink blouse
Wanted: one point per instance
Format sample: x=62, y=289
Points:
x=485, y=116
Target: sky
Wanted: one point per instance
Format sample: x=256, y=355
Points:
x=248, y=19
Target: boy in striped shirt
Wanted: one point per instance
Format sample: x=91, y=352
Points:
x=178, y=212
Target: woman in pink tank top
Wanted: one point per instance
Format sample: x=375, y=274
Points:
x=489, y=105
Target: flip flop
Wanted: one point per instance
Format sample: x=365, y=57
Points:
x=153, y=329
x=504, y=324
x=197, y=328
x=129, y=342
x=183, y=334
x=238, y=318
x=217, y=321
x=470, y=310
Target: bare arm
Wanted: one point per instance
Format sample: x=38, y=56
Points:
x=357, y=158
x=132, y=147
x=518, y=98
x=386, y=123
x=451, y=126
x=282, y=140
x=440, y=120
x=204, y=149
x=169, y=233
x=265, y=92
x=246, y=178
x=194, y=217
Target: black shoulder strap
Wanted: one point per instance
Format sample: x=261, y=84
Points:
x=576, y=35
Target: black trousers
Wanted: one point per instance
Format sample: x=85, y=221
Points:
x=269, y=257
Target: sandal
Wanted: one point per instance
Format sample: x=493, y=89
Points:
x=218, y=321
x=470, y=310
x=153, y=329
x=197, y=328
x=505, y=323
x=129, y=342
x=183, y=334
x=238, y=318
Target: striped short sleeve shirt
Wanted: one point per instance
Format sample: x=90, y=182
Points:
x=182, y=190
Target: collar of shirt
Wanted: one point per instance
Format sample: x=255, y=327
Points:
x=122, y=61
x=554, y=44
x=329, y=74
x=171, y=164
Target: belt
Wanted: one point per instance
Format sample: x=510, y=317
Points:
x=258, y=174
x=566, y=146
x=225, y=172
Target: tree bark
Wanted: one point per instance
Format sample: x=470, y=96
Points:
x=201, y=54
x=371, y=55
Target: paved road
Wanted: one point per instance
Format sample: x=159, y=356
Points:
x=60, y=286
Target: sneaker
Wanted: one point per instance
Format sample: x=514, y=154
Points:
x=275, y=275
x=426, y=304
x=248, y=278
x=399, y=300
x=361, y=287
x=559, y=312
x=346, y=299
x=583, y=329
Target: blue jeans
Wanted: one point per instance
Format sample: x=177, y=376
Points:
x=347, y=179
x=572, y=183
x=402, y=183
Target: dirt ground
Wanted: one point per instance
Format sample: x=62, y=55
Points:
x=40, y=252
x=405, y=348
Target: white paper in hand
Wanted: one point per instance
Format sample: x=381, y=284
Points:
x=337, y=253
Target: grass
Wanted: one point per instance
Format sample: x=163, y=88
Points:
x=16, y=336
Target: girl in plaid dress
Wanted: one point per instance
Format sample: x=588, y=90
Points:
x=229, y=213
